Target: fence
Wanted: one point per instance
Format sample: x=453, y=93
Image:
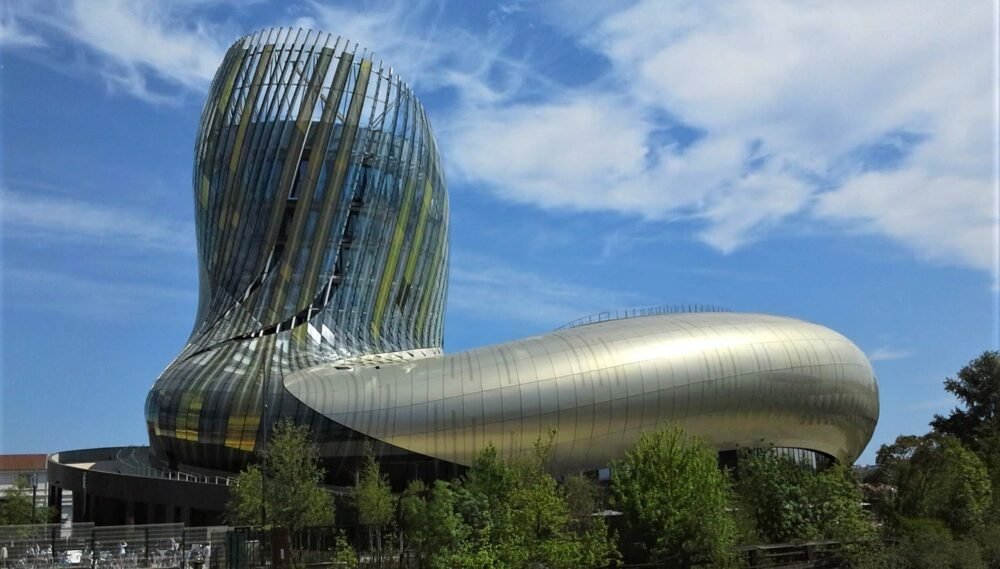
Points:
x=254, y=548
x=172, y=546
x=84, y=546
x=811, y=555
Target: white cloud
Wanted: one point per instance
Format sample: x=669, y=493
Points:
x=427, y=53
x=888, y=353
x=943, y=218
x=12, y=34
x=807, y=79
x=800, y=87
x=555, y=155
x=151, y=50
x=750, y=206
x=48, y=217
x=495, y=290
x=806, y=85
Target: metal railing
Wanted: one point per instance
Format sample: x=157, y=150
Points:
x=139, y=466
x=809, y=555
x=608, y=316
x=84, y=546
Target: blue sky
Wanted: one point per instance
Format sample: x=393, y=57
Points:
x=835, y=162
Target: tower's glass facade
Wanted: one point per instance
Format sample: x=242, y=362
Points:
x=322, y=222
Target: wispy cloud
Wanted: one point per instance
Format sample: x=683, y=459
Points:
x=785, y=94
x=496, y=290
x=79, y=296
x=151, y=50
x=431, y=52
x=942, y=217
x=58, y=218
x=12, y=35
x=889, y=353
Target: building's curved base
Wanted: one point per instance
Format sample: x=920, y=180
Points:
x=118, y=485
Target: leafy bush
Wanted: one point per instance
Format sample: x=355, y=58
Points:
x=790, y=503
x=674, y=499
x=502, y=514
x=989, y=538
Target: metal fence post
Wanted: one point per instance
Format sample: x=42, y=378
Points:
x=146, y=551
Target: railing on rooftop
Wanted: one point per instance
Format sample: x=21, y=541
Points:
x=640, y=312
x=139, y=466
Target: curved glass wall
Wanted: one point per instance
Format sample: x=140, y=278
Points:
x=322, y=220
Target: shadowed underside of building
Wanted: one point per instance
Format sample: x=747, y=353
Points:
x=321, y=212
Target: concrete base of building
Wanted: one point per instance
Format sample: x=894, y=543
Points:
x=119, y=486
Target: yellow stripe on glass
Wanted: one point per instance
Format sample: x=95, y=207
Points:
x=385, y=285
x=418, y=237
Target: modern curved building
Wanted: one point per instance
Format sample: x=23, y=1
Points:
x=322, y=220
x=322, y=223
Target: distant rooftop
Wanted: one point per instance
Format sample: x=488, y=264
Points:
x=22, y=462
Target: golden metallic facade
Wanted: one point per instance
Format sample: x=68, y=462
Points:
x=736, y=380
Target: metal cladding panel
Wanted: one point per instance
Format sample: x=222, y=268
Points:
x=309, y=153
x=735, y=380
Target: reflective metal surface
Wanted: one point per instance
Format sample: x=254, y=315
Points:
x=322, y=219
x=736, y=380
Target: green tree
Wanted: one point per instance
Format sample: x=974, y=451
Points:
x=790, y=502
x=836, y=506
x=344, y=555
x=375, y=502
x=926, y=544
x=436, y=532
x=892, y=459
x=929, y=544
x=945, y=481
x=936, y=477
x=521, y=517
x=989, y=538
x=582, y=500
x=775, y=492
x=946, y=502
x=246, y=497
x=977, y=386
x=673, y=497
x=501, y=514
x=17, y=507
x=977, y=424
x=989, y=453
x=287, y=482
x=542, y=520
